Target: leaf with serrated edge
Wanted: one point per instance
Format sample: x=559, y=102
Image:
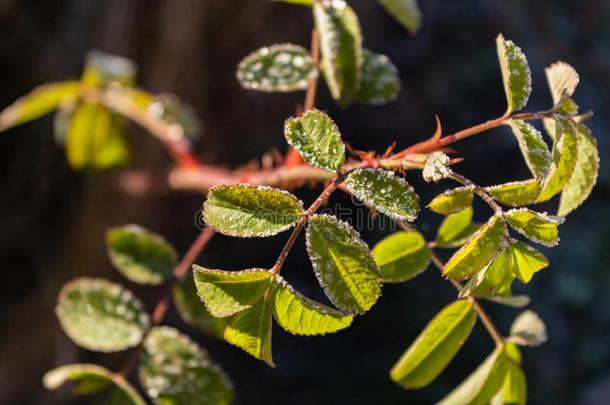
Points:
x=91, y=378
x=385, y=192
x=517, y=193
x=401, y=256
x=562, y=79
x=380, y=82
x=340, y=48
x=175, y=370
x=300, y=315
x=406, y=12
x=250, y=330
x=527, y=260
x=436, y=346
x=494, y=279
x=140, y=255
x=528, y=330
x=452, y=201
x=456, y=229
x=247, y=211
x=563, y=160
x=100, y=315
x=536, y=226
x=515, y=74
x=225, y=293
x=317, y=139
x=485, y=245
x=277, y=68
x=584, y=177
x=534, y=149
x=343, y=264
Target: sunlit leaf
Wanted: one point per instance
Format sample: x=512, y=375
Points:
x=527, y=260
x=515, y=74
x=515, y=301
x=494, y=279
x=534, y=149
x=456, y=229
x=528, y=330
x=563, y=159
x=514, y=388
x=562, y=80
x=539, y=227
x=343, y=264
x=300, y=315
x=401, y=256
x=140, y=255
x=250, y=211
x=406, y=12
x=517, y=193
x=250, y=330
x=226, y=292
x=100, y=315
x=379, y=82
x=316, y=137
x=385, y=192
x=452, y=201
x=175, y=370
x=277, y=68
x=436, y=346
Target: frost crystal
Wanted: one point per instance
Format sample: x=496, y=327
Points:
x=436, y=167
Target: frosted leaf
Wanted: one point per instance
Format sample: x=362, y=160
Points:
x=494, y=279
x=539, y=227
x=534, y=149
x=515, y=74
x=380, y=82
x=452, y=201
x=251, y=331
x=562, y=79
x=528, y=330
x=563, y=159
x=517, y=193
x=436, y=167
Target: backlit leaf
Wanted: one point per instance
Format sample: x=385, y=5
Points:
x=343, y=264
x=316, y=137
x=452, y=201
x=406, y=12
x=514, y=388
x=563, y=159
x=300, y=315
x=539, y=227
x=514, y=301
x=528, y=330
x=527, y=260
x=562, y=80
x=225, y=293
x=485, y=245
x=249, y=211
x=494, y=279
x=517, y=193
x=100, y=315
x=534, y=149
x=436, y=346
x=456, y=229
x=250, y=330
x=276, y=68
x=401, y=256
x=385, y=192
x=379, y=82
x=175, y=370
x=140, y=255
x=515, y=74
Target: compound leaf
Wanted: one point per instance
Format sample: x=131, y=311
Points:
x=300, y=315
x=401, y=256
x=562, y=79
x=456, y=229
x=380, y=82
x=175, y=370
x=534, y=149
x=277, y=68
x=452, y=201
x=539, y=227
x=385, y=192
x=528, y=330
x=517, y=193
x=343, y=264
x=563, y=159
x=225, y=293
x=250, y=211
x=100, y=315
x=515, y=74
x=140, y=255
x=406, y=12
x=436, y=346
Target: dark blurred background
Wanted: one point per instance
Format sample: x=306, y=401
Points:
x=53, y=219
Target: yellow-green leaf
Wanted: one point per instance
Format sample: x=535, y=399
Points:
x=527, y=260
x=539, y=227
x=516, y=194
x=534, y=149
x=401, y=256
x=515, y=74
x=456, y=229
x=494, y=279
x=514, y=388
x=563, y=159
x=452, y=201
x=562, y=79
x=406, y=12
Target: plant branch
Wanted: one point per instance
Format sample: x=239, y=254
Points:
x=480, y=191
x=312, y=86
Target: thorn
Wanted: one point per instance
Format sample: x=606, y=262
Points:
x=389, y=150
x=448, y=150
x=455, y=161
x=439, y=129
x=351, y=150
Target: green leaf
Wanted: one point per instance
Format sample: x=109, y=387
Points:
x=539, y=227
x=225, y=293
x=534, y=149
x=562, y=79
x=385, y=192
x=515, y=74
x=340, y=47
x=343, y=264
x=277, y=68
x=494, y=279
x=316, y=137
x=380, y=82
x=517, y=193
x=100, y=315
x=436, y=346
x=250, y=211
x=514, y=388
x=193, y=311
x=40, y=101
x=90, y=379
x=96, y=138
x=456, y=229
x=481, y=386
x=401, y=256
x=563, y=159
x=583, y=179
x=485, y=245
x=528, y=330
x=300, y=315
x=452, y=201
x=406, y=12
x=175, y=370
x=140, y=255
x=250, y=330
x=527, y=260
